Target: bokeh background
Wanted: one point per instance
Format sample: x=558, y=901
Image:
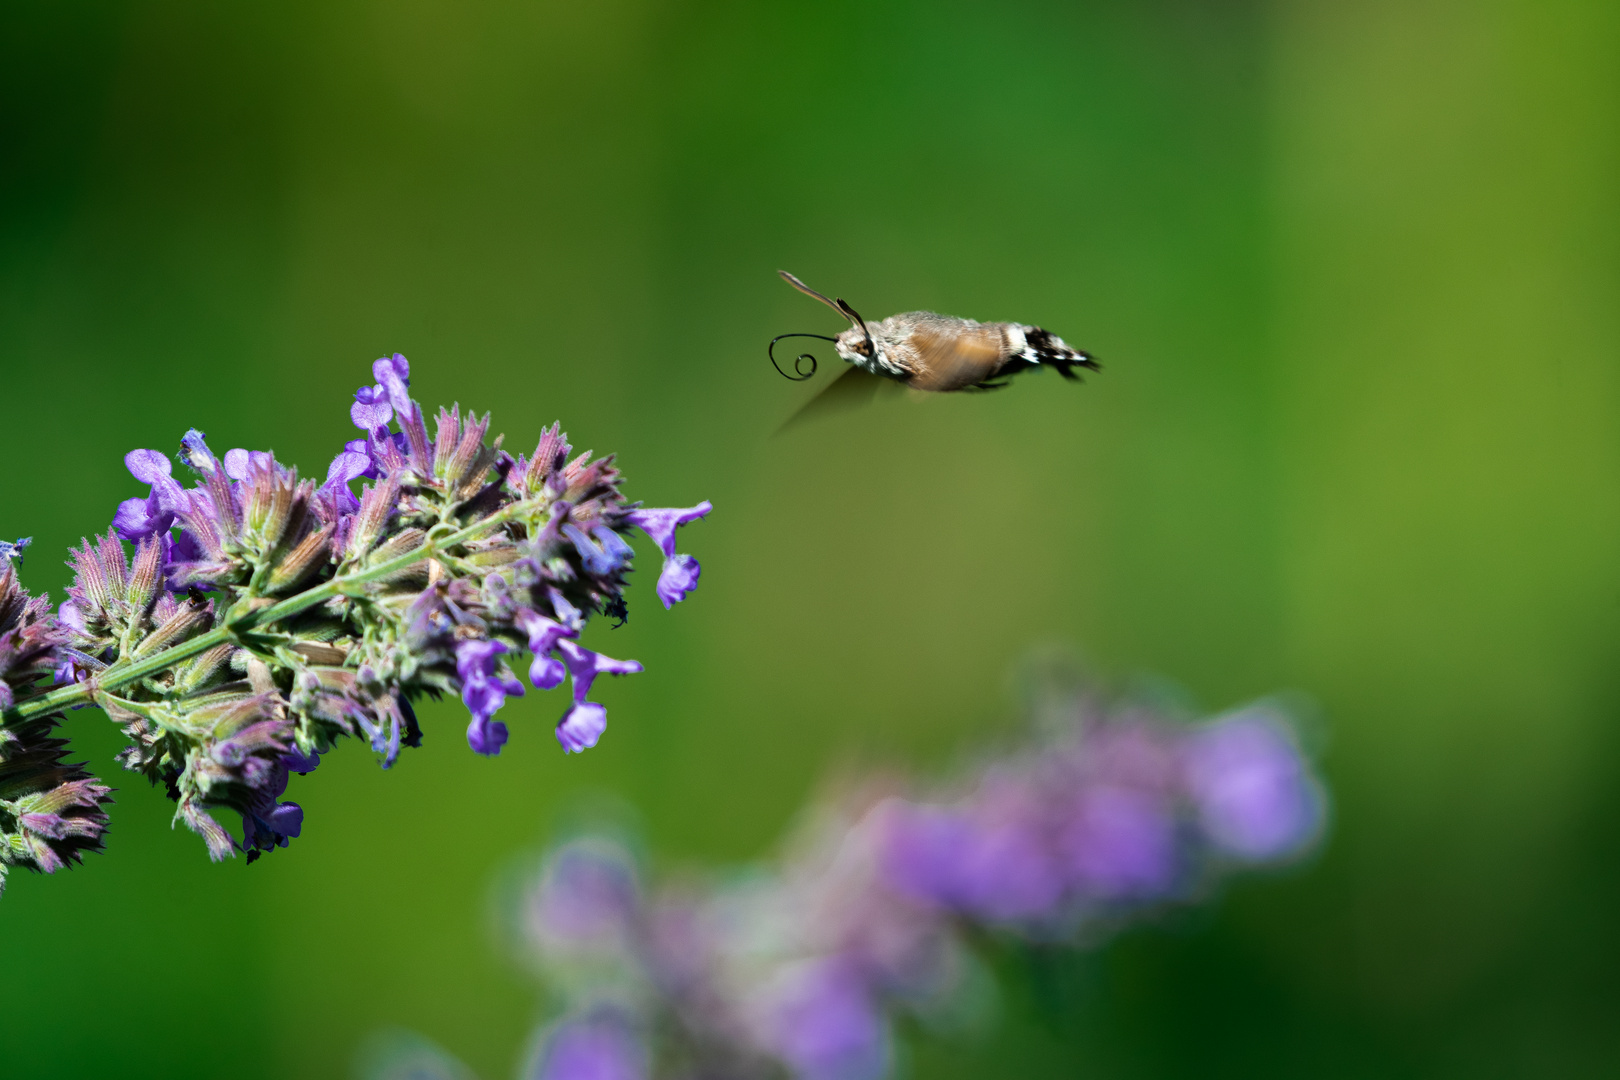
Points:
x=1353, y=271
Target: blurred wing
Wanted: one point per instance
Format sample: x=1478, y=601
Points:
x=953, y=359
x=854, y=388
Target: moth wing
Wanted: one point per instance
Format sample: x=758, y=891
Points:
x=854, y=388
x=953, y=359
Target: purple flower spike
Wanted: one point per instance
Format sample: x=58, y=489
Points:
x=371, y=410
x=680, y=573
x=484, y=689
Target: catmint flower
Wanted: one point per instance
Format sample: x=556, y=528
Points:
x=485, y=685
x=547, y=672
x=236, y=629
x=371, y=410
x=137, y=519
x=582, y=725
x=680, y=573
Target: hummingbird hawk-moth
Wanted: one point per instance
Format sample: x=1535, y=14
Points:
x=930, y=352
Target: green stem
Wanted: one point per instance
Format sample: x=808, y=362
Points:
x=237, y=623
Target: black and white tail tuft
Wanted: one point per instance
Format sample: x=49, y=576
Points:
x=1046, y=348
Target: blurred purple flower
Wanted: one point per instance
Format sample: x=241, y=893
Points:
x=825, y=1024
x=1255, y=796
x=1120, y=843
x=588, y=896
x=593, y=1047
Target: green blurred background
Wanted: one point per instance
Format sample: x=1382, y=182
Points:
x=1353, y=271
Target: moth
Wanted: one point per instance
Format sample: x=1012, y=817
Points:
x=930, y=352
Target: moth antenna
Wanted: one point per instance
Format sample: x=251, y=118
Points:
x=855, y=317
x=798, y=362
x=808, y=291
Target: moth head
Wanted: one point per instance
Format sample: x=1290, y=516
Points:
x=854, y=342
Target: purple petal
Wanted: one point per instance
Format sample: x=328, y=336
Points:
x=921, y=851
x=477, y=657
x=680, y=573
x=10, y=550
x=347, y=466
x=679, y=577
x=136, y=519
x=393, y=373
x=237, y=463
x=827, y=1026
x=585, y=665
x=486, y=736
x=299, y=762
x=598, y=558
x=581, y=726
x=148, y=466
x=661, y=524
x=371, y=409
x=547, y=672
x=1121, y=843
x=71, y=617
x=543, y=633
x=482, y=695
x=287, y=819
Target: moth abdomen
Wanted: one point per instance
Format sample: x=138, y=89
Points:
x=1043, y=348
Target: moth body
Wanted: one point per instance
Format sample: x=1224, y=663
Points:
x=943, y=353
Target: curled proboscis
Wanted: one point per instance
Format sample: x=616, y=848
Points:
x=799, y=372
